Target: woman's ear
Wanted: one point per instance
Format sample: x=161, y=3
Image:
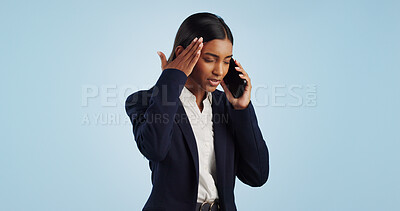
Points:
x=178, y=50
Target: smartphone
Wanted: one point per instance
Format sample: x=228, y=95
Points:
x=233, y=81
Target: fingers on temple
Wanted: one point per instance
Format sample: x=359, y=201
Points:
x=195, y=56
x=187, y=49
x=193, y=48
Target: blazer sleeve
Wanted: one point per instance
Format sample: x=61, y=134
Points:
x=152, y=116
x=251, y=149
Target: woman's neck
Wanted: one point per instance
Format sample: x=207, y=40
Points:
x=198, y=92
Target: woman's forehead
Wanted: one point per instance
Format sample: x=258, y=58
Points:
x=218, y=47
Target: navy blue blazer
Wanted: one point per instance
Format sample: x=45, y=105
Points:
x=164, y=136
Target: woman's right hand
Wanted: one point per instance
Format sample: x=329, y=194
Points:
x=186, y=59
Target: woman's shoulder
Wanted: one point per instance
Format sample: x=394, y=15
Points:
x=139, y=98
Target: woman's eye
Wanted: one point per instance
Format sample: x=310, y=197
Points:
x=207, y=60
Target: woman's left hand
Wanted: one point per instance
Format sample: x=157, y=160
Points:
x=243, y=101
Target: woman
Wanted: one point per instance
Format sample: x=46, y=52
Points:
x=198, y=139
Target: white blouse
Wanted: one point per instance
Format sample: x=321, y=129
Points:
x=202, y=125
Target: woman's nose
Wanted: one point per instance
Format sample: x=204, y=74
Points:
x=218, y=70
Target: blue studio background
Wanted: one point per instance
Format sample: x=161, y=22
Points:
x=325, y=87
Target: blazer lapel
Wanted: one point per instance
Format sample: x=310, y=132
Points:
x=183, y=122
x=219, y=118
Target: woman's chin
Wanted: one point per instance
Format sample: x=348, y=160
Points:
x=211, y=88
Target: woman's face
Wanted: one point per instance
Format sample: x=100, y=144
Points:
x=212, y=66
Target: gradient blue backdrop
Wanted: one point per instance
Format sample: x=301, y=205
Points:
x=63, y=150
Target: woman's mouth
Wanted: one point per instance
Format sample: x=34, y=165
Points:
x=214, y=82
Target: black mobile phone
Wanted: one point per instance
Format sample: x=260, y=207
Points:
x=233, y=81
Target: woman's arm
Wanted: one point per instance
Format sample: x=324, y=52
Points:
x=152, y=114
x=251, y=149
x=252, y=159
